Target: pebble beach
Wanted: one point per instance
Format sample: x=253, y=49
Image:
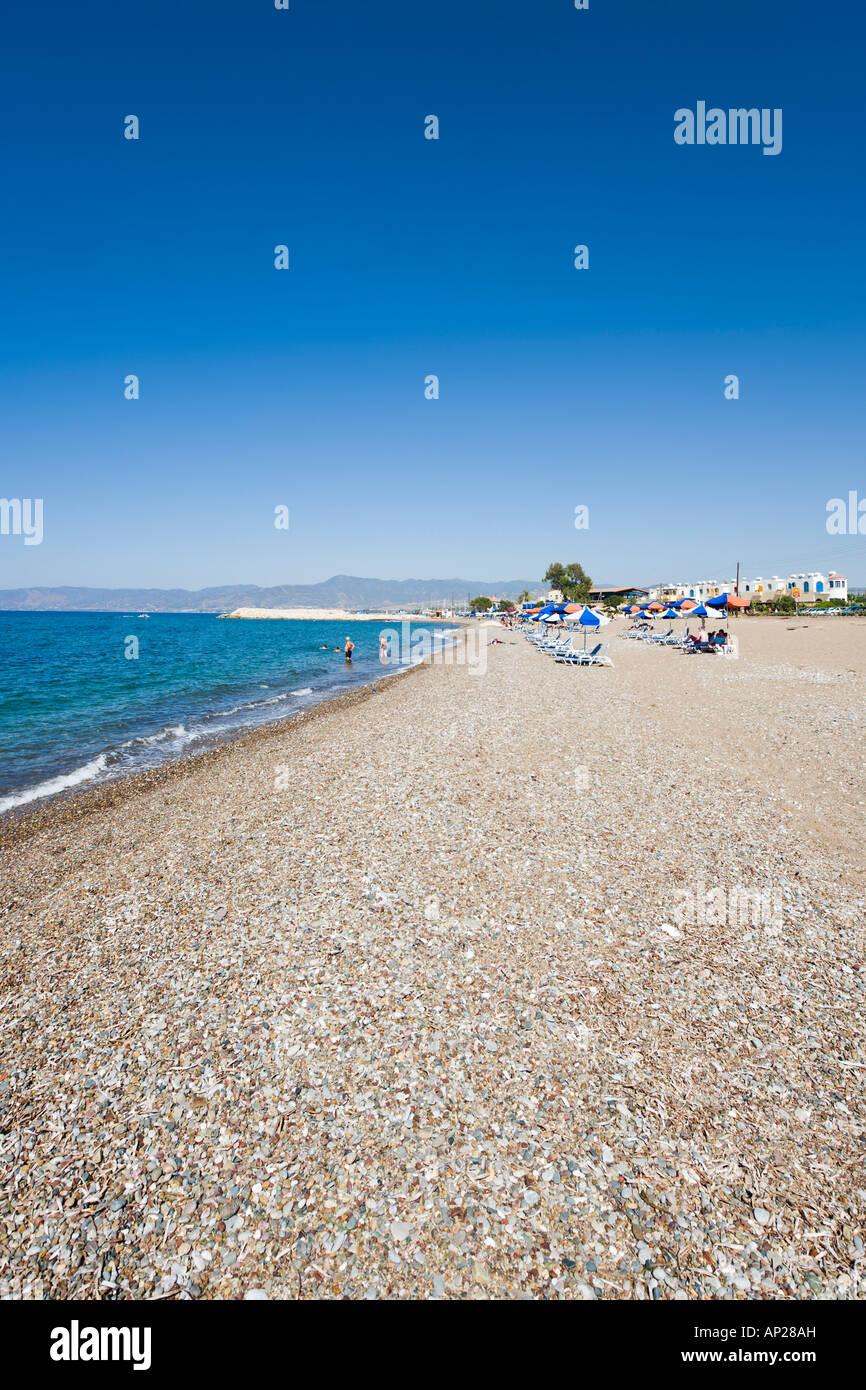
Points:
x=424, y=995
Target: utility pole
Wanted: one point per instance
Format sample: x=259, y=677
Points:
x=737, y=588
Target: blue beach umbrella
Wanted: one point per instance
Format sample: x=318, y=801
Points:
x=699, y=612
x=586, y=618
x=721, y=603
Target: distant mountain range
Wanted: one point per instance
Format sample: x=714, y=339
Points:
x=342, y=591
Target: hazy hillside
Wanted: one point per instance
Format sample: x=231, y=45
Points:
x=342, y=591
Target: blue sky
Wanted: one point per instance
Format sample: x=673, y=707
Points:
x=409, y=257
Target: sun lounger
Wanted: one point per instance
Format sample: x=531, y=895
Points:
x=597, y=657
x=578, y=656
x=558, y=644
x=711, y=647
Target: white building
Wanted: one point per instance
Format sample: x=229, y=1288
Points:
x=701, y=590
x=813, y=587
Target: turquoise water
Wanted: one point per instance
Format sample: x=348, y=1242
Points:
x=74, y=709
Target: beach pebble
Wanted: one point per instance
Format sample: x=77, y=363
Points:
x=446, y=1047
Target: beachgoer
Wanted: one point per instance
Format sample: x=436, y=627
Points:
x=349, y=648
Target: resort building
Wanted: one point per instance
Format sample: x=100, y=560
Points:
x=629, y=593
x=813, y=588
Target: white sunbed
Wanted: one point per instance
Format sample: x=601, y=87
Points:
x=597, y=657
x=557, y=644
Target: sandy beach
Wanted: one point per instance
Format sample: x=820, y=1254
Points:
x=403, y=999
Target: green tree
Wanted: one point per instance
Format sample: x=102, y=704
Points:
x=506, y=606
x=523, y=596
x=481, y=605
x=785, y=604
x=572, y=580
x=556, y=576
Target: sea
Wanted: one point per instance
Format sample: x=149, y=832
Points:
x=89, y=697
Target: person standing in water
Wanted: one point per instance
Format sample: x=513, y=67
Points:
x=349, y=648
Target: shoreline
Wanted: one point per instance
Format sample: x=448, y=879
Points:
x=21, y=823
x=208, y=745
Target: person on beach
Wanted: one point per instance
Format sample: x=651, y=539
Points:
x=383, y=649
x=349, y=648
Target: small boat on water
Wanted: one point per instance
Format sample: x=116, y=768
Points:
x=144, y=615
